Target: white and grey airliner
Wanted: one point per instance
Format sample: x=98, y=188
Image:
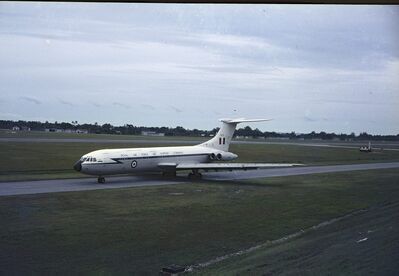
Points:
x=168, y=160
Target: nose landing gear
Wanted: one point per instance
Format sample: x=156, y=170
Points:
x=101, y=180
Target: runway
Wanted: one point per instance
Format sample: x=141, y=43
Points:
x=85, y=184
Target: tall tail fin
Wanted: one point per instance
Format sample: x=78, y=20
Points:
x=222, y=139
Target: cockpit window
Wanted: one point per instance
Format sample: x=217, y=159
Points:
x=88, y=159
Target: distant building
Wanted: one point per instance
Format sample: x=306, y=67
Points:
x=59, y=130
x=53, y=130
x=16, y=128
x=83, y=131
x=277, y=138
x=152, y=133
x=49, y=129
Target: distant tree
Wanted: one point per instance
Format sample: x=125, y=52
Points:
x=181, y=131
x=364, y=136
x=257, y=133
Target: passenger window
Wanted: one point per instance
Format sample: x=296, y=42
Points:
x=94, y=160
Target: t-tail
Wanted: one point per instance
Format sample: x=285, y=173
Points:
x=222, y=139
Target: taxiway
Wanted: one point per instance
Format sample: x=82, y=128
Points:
x=83, y=184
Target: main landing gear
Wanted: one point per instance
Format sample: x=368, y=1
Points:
x=101, y=180
x=195, y=175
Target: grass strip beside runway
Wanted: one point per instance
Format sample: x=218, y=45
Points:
x=138, y=230
x=32, y=160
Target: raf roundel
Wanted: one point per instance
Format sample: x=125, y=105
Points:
x=134, y=164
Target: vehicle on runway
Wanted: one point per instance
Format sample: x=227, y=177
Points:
x=366, y=148
x=168, y=160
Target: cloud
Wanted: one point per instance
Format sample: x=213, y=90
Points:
x=11, y=116
x=66, y=102
x=118, y=104
x=95, y=104
x=148, y=106
x=178, y=110
x=30, y=99
x=310, y=119
x=276, y=63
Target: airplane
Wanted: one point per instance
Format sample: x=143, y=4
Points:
x=169, y=160
x=366, y=148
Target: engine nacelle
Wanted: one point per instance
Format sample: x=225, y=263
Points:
x=222, y=156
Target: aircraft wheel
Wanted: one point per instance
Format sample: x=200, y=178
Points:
x=101, y=180
x=195, y=176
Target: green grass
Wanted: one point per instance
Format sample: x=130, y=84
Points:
x=22, y=161
x=32, y=160
x=138, y=230
x=308, y=155
x=61, y=135
x=331, y=249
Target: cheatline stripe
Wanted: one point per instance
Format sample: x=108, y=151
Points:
x=118, y=160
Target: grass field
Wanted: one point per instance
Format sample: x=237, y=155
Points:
x=33, y=160
x=61, y=135
x=22, y=161
x=157, y=139
x=365, y=242
x=138, y=230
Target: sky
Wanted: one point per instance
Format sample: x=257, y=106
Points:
x=332, y=68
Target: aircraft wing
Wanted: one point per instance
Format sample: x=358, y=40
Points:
x=224, y=166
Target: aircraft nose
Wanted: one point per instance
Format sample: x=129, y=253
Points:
x=78, y=166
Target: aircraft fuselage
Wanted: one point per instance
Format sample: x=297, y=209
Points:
x=138, y=160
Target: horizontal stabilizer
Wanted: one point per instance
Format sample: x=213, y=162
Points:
x=242, y=120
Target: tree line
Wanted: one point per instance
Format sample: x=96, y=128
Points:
x=129, y=129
